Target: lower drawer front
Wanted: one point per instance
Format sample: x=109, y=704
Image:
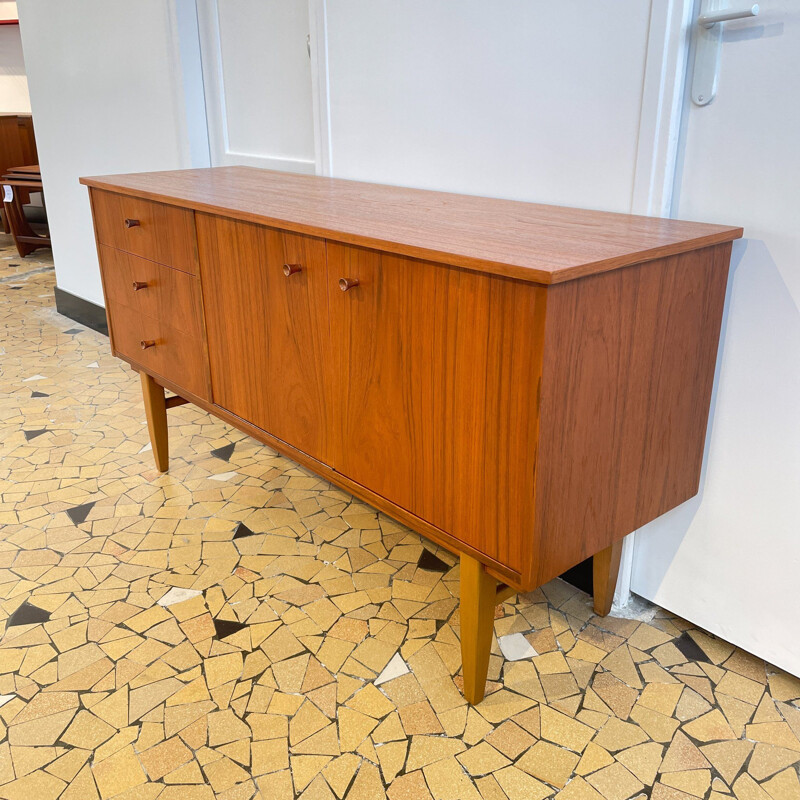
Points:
x=159, y=348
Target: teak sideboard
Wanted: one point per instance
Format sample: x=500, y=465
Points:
x=523, y=384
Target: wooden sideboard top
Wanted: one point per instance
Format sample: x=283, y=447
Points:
x=529, y=241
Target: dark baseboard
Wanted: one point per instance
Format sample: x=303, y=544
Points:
x=89, y=314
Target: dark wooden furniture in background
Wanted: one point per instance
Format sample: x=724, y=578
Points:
x=22, y=182
x=523, y=384
x=17, y=145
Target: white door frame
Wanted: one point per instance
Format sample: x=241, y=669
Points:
x=189, y=66
x=320, y=85
x=214, y=88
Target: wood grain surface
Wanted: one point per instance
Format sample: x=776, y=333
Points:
x=164, y=233
x=17, y=142
x=626, y=387
x=268, y=333
x=174, y=355
x=528, y=396
x=435, y=393
x=532, y=242
x=167, y=294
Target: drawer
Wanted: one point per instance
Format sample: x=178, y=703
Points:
x=166, y=294
x=151, y=230
x=159, y=348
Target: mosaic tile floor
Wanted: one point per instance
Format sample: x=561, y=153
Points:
x=239, y=628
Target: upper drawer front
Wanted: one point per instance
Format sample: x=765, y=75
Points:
x=159, y=348
x=152, y=289
x=151, y=230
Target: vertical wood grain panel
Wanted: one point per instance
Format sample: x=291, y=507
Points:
x=628, y=371
x=436, y=375
x=298, y=332
x=267, y=333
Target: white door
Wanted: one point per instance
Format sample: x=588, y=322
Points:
x=729, y=560
x=256, y=72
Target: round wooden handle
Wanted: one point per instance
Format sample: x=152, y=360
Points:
x=348, y=283
x=132, y=223
x=290, y=269
x=139, y=285
x=147, y=343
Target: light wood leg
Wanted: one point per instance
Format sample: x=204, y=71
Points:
x=155, y=407
x=478, y=600
x=605, y=569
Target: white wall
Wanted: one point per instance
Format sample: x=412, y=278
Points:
x=106, y=93
x=13, y=83
x=532, y=101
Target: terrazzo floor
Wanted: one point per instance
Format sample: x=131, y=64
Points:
x=240, y=628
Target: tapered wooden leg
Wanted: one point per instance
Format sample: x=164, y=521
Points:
x=605, y=569
x=478, y=599
x=155, y=407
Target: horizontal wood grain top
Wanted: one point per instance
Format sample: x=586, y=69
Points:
x=529, y=241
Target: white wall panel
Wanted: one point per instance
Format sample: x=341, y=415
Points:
x=519, y=99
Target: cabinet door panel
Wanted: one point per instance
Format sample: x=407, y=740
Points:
x=267, y=332
x=437, y=373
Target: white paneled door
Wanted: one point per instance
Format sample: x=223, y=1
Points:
x=729, y=560
x=256, y=69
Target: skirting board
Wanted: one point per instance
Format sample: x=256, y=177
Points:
x=83, y=311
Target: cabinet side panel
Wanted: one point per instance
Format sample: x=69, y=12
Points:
x=103, y=270
x=626, y=387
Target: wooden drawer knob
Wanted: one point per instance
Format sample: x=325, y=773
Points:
x=290, y=269
x=139, y=285
x=147, y=343
x=132, y=223
x=348, y=283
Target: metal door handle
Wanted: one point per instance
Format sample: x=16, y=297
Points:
x=707, y=20
x=708, y=44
